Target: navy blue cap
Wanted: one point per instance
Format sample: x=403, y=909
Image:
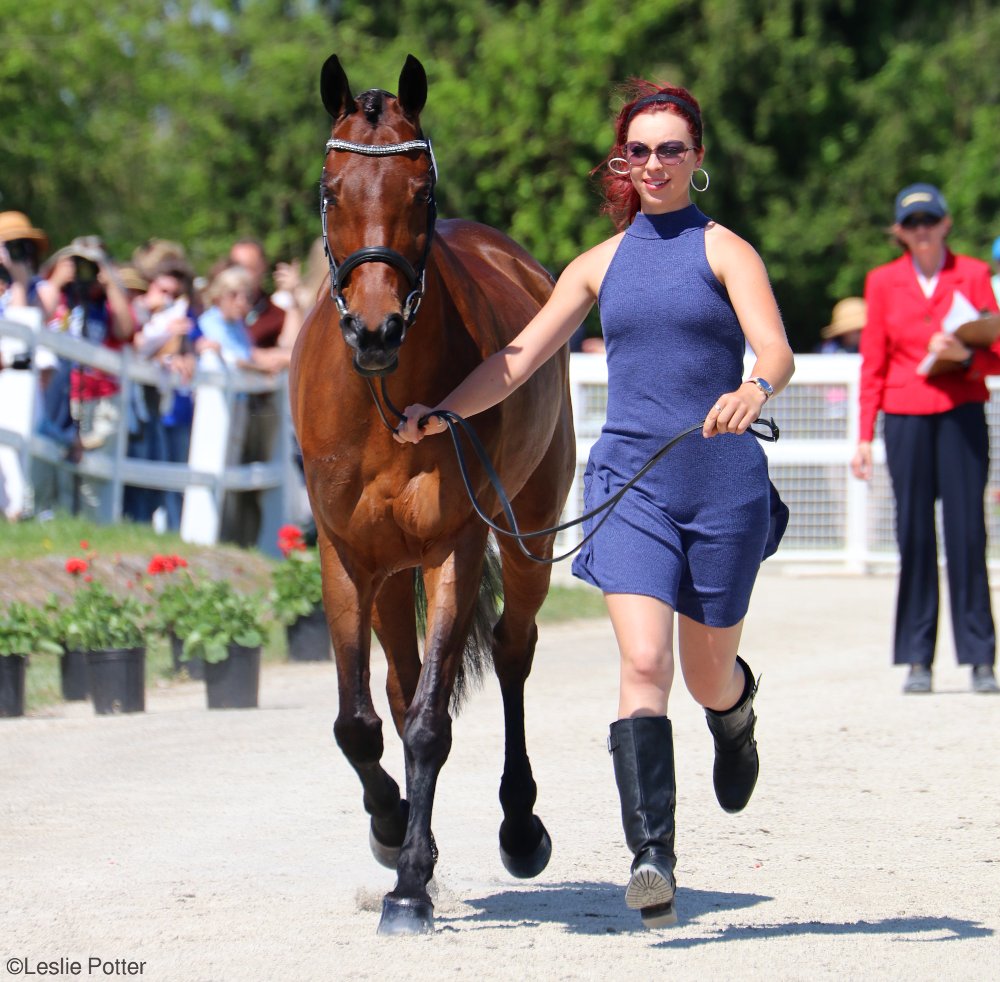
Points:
x=922, y=199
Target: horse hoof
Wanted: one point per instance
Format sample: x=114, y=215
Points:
x=387, y=856
x=524, y=867
x=406, y=916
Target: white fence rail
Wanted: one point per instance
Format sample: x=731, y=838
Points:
x=835, y=519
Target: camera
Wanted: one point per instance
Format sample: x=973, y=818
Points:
x=22, y=250
x=85, y=271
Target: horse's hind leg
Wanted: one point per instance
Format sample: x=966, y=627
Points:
x=525, y=846
x=358, y=729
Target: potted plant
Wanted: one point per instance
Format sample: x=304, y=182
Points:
x=171, y=597
x=296, y=598
x=24, y=631
x=110, y=628
x=72, y=662
x=226, y=630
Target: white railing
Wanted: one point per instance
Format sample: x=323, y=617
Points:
x=204, y=480
x=835, y=519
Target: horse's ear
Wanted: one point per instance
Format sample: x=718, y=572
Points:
x=335, y=89
x=412, y=87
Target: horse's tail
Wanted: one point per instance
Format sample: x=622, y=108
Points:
x=478, y=654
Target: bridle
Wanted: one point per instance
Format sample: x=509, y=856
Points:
x=415, y=275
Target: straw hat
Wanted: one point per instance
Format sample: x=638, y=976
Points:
x=132, y=279
x=849, y=314
x=15, y=225
x=89, y=247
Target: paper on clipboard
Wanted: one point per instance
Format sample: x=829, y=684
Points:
x=960, y=312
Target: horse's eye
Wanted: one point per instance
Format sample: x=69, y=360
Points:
x=422, y=195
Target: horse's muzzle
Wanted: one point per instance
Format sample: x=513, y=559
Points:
x=376, y=352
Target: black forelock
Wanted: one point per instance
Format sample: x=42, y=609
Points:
x=372, y=104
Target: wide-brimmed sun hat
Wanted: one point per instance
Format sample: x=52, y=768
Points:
x=16, y=225
x=89, y=247
x=849, y=314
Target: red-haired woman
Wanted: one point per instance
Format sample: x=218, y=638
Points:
x=679, y=297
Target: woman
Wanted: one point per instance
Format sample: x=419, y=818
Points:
x=936, y=442
x=690, y=536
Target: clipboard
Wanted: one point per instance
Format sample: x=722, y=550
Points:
x=974, y=331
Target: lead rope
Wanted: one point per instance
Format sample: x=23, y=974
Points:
x=454, y=422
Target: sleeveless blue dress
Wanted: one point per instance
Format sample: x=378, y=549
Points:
x=694, y=531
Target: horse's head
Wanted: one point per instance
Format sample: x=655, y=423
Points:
x=377, y=203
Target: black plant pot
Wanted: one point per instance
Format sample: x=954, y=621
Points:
x=73, y=675
x=117, y=680
x=309, y=637
x=12, y=685
x=234, y=682
x=195, y=667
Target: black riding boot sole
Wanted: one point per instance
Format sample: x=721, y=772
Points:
x=652, y=894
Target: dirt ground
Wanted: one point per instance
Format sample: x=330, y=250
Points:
x=203, y=845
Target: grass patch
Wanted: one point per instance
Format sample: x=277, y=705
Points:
x=62, y=536
x=567, y=603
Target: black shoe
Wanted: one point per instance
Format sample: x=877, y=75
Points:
x=983, y=679
x=642, y=750
x=736, y=762
x=919, y=679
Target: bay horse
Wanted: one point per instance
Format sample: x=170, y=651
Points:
x=455, y=291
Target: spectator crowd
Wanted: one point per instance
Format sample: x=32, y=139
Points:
x=180, y=321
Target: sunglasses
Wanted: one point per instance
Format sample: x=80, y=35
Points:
x=920, y=220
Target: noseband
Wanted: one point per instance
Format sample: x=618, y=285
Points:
x=415, y=276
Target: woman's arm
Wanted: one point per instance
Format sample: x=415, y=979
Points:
x=500, y=374
x=741, y=270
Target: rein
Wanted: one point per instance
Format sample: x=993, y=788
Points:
x=456, y=423
x=415, y=275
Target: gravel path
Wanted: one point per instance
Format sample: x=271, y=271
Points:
x=233, y=845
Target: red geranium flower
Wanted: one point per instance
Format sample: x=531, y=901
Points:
x=76, y=566
x=84, y=544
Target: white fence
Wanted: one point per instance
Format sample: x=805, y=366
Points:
x=835, y=519
x=206, y=477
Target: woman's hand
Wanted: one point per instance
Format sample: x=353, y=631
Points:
x=948, y=347
x=733, y=412
x=861, y=464
x=409, y=432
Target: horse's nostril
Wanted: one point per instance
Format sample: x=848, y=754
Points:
x=392, y=331
x=352, y=329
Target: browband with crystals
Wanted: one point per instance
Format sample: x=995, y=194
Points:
x=378, y=149
x=665, y=97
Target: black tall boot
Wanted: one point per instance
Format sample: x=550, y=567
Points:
x=736, y=761
x=643, y=753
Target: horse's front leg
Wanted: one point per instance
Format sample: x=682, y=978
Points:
x=358, y=728
x=452, y=591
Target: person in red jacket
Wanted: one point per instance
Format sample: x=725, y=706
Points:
x=936, y=440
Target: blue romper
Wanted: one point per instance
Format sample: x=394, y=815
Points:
x=694, y=531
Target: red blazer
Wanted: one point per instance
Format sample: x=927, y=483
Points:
x=900, y=323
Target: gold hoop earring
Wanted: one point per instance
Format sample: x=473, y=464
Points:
x=619, y=166
x=708, y=180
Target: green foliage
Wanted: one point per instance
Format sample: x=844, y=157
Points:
x=201, y=120
x=297, y=586
x=25, y=630
x=218, y=616
x=98, y=619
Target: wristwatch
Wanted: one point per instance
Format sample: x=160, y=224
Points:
x=763, y=385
